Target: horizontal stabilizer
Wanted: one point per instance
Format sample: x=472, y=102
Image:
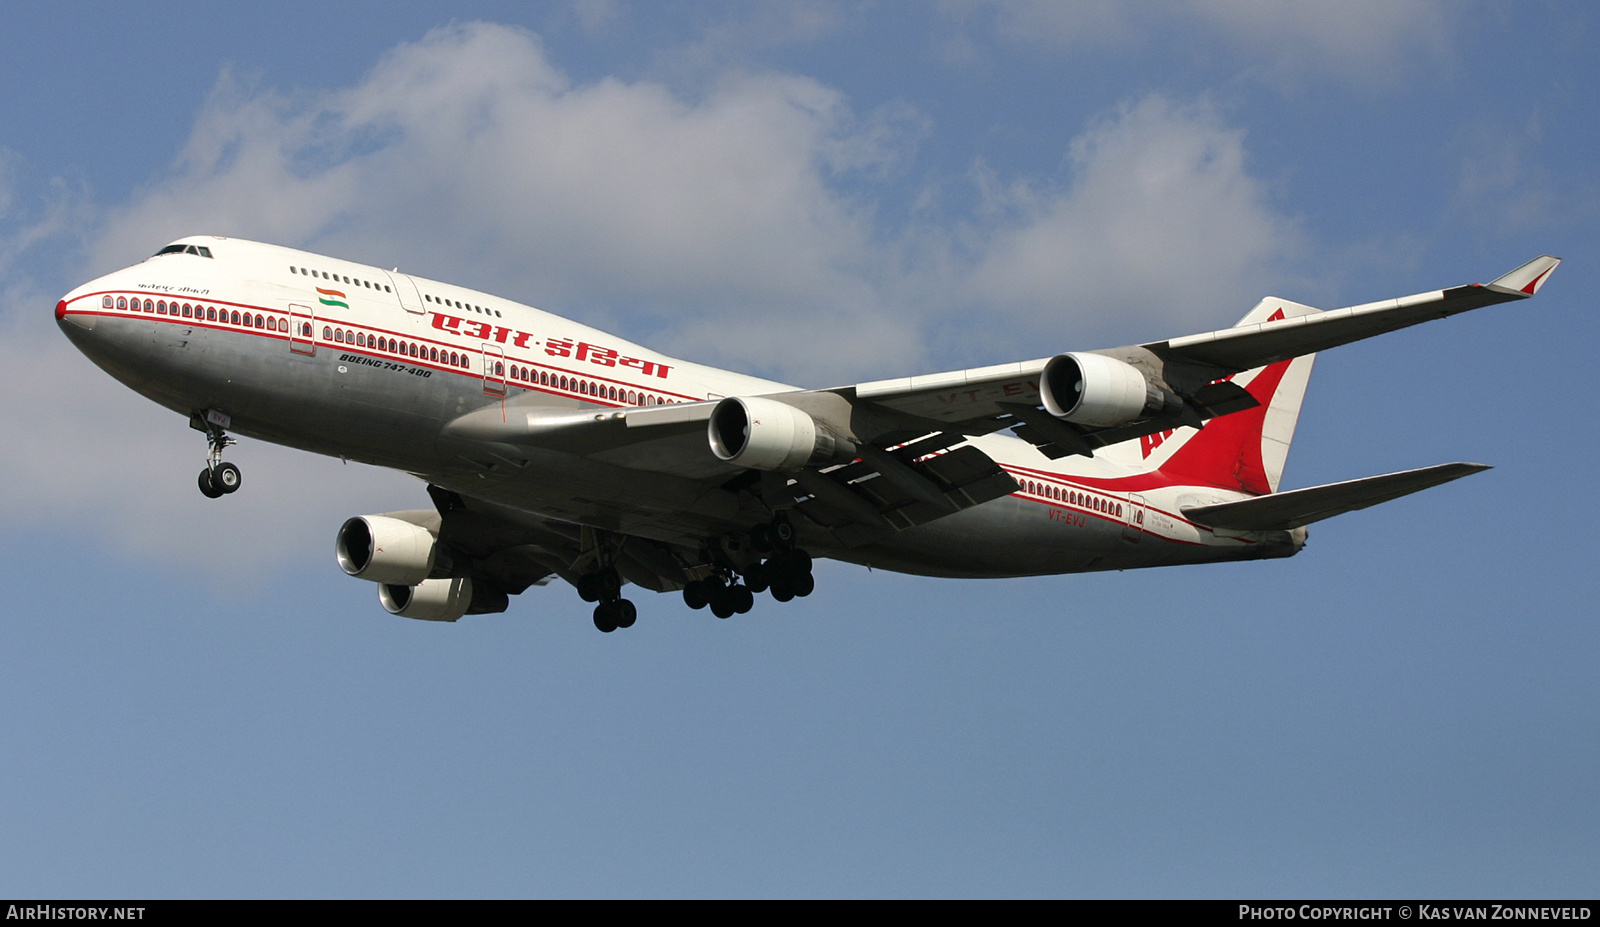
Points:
x=1300, y=507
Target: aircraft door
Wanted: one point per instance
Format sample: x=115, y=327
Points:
x=302, y=329
x=1133, y=526
x=494, y=370
x=405, y=290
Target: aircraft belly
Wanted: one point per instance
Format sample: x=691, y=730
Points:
x=1016, y=537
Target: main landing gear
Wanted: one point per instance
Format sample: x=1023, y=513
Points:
x=786, y=573
x=605, y=587
x=219, y=477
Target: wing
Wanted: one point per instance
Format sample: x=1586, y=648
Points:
x=870, y=459
x=1248, y=346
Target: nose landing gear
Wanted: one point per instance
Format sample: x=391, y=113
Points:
x=219, y=477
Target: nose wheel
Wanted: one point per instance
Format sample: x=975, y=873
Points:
x=219, y=477
x=219, y=480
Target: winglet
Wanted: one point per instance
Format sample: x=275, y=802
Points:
x=1529, y=277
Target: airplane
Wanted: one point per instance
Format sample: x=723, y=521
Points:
x=554, y=450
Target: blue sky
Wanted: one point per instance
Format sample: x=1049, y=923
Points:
x=197, y=703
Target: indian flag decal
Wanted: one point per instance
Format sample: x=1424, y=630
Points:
x=332, y=298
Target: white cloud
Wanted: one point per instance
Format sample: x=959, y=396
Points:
x=1361, y=41
x=1365, y=41
x=1066, y=24
x=1505, y=183
x=1161, y=223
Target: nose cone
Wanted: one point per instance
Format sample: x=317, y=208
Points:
x=75, y=316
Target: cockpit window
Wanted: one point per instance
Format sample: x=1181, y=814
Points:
x=199, y=250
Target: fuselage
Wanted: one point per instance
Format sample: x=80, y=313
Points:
x=350, y=360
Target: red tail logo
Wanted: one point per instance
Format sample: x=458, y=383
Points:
x=1148, y=443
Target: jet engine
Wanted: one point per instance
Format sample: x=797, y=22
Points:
x=764, y=434
x=443, y=599
x=386, y=550
x=1100, y=391
x=430, y=600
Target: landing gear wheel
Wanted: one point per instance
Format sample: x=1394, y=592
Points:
x=694, y=595
x=227, y=477
x=743, y=599
x=782, y=534
x=797, y=562
x=781, y=590
x=208, y=488
x=605, y=617
x=589, y=587
x=757, y=577
x=804, y=586
x=625, y=613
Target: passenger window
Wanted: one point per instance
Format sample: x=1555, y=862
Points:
x=122, y=302
x=258, y=321
x=327, y=333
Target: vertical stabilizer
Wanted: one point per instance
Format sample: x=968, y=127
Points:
x=1244, y=451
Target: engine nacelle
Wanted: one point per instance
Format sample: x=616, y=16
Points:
x=430, y=600
x=1100, y=391
x=386, y=550
x=764, y=434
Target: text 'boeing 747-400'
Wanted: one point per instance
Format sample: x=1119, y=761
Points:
x=551, y=449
